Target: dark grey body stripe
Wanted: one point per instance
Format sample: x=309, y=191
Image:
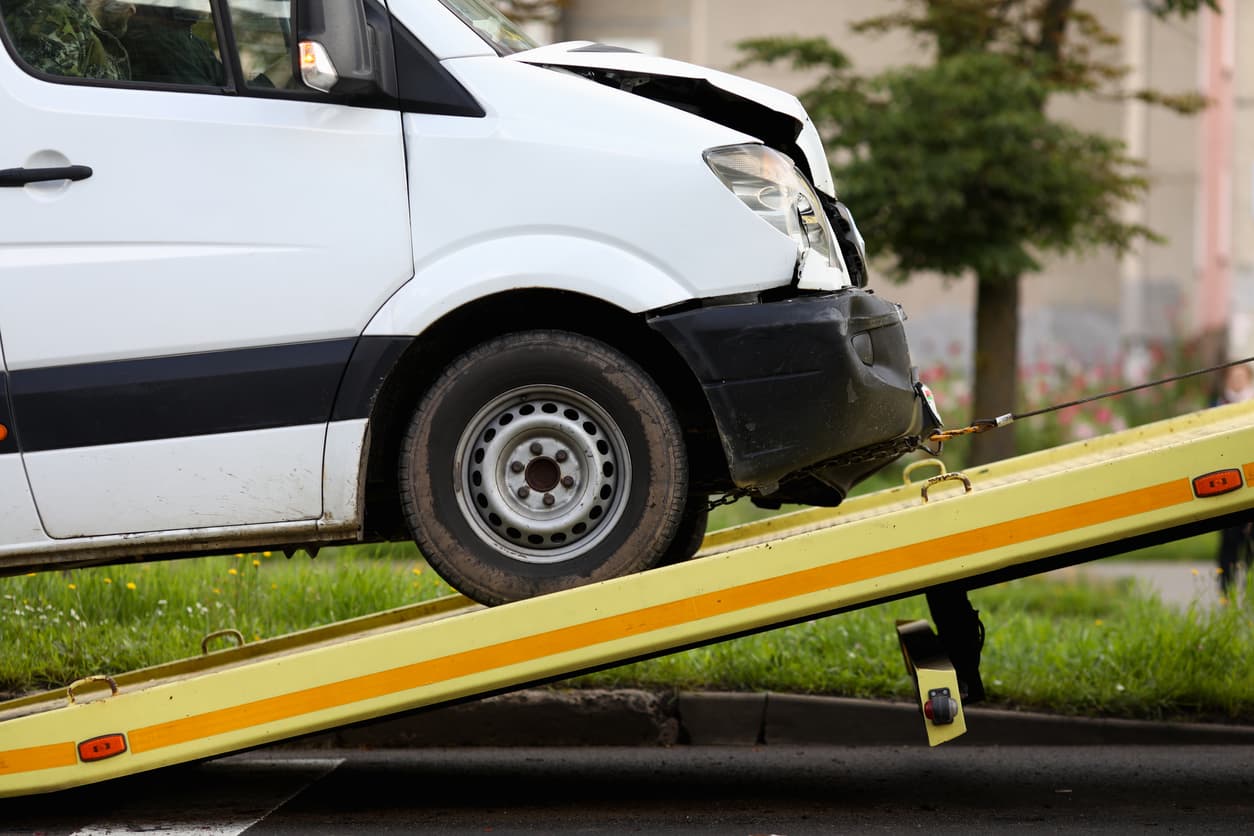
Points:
x=196, y=394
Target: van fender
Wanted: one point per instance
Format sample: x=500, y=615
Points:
x=535, y=259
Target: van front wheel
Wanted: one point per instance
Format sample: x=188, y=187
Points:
x=540, y=461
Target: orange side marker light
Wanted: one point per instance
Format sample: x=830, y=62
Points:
x=1217, y=483
x=100, y=748
x=4, y=432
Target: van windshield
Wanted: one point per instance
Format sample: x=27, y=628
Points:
x=492, y=26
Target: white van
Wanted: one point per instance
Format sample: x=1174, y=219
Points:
x=286, y=274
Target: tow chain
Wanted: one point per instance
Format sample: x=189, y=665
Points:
x=909, y=444
x=727, y=499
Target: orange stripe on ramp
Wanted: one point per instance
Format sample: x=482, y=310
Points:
x=37, y=757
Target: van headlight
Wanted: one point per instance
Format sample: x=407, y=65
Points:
x=769, y=183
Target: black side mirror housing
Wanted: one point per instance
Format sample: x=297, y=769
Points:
x=341, y=50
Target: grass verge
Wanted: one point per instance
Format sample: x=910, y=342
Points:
x=1066, y=647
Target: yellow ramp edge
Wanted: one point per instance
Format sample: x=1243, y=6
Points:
x=753, y=577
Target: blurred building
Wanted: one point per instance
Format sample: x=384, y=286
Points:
x=1198, y=284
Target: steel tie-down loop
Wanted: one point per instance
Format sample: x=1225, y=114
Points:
x=217, y=634
x=87, y=680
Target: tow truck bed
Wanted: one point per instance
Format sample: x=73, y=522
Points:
x=1021, y=516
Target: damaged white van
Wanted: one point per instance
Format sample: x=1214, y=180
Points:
x=285, y=274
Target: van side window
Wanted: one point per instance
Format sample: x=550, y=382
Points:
x=175, y=42
x=263, y=35
x=164, y=41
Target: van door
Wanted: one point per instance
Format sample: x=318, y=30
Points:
x=190, y=244
x=18, y=522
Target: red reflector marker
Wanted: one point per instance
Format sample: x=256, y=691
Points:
x=1217, y=483
x=99, y=748
x=4, y=432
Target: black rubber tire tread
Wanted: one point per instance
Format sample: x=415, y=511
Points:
x=655, y=505
x=691, y=531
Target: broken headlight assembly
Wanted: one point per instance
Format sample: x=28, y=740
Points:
x=768, y=183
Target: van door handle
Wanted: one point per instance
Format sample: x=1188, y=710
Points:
x=18, y=177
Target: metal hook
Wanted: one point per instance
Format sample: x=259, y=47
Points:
x=236, y=634
x=946, y=477
x=909, y=469
x=113, y=685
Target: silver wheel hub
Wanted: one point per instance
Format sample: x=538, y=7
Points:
x=542, y=474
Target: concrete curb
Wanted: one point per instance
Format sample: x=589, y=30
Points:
x=544, y=717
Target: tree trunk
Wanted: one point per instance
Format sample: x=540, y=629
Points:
x=996, y=364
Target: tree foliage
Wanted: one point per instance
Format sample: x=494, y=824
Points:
x=956, y=166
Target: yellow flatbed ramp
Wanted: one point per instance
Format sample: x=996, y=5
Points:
x=1018, y=516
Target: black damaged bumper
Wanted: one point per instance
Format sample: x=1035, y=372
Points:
x=803, y=382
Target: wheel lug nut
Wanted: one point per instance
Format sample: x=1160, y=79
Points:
x=536, y=449
x=561, y=455
x=524, y=492
x=517, y=467
x=568, y=481
x=548, y=499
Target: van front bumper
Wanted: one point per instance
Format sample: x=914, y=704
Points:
x=804, y=384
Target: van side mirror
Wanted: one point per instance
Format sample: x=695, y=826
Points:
x=338, y=52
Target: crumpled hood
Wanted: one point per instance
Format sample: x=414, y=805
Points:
x=770, y=114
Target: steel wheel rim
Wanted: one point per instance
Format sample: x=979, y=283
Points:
x=542, y=474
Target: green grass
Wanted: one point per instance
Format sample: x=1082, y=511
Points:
x=1056, y=646
x=56, y=627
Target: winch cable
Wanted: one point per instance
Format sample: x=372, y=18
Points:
x=986, y=424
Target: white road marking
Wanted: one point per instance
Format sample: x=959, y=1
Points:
x=252, y=789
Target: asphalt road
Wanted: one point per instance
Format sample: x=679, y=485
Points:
x=682, y=789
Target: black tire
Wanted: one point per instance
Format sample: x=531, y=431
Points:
x=540, y=461
x=691, y=531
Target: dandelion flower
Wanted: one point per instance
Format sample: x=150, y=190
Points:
x=417, y=570
x=232, y=571
x=108, y=580
x=274, y=586
x=1194, y=571
x=265, y=554
x=217, y=591
x=130, y=584
x=1097, y=622
x=72, y=585
x=256, y=563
